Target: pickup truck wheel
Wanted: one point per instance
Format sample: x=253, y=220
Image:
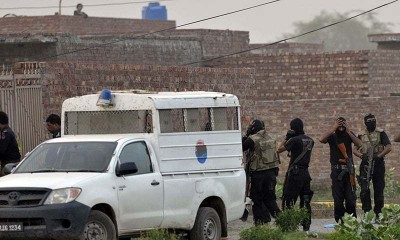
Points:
x=99, y=227
x=207, y=225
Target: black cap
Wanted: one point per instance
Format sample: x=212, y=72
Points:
x=368, y=116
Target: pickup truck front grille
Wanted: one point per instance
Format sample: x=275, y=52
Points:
x=22, y=197
x=26, y=221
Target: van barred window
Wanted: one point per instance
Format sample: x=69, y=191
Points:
x=108, y=122
x=198, y=119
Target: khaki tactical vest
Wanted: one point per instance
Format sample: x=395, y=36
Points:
x=371, y=139
x=264, y=155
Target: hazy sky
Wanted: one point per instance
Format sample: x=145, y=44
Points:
x=265, y=24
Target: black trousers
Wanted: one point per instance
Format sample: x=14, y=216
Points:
x=343, y=196
x=378, y=181
x=298, y=185
x=263, y=195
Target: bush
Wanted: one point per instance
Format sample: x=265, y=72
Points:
x=392, y=188
x=159, y=234
x=387, y=229
x=290, y=219
x=261, y=233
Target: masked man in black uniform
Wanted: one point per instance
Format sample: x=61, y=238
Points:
x=343, y=178
x=298, y=179
x=376, y=142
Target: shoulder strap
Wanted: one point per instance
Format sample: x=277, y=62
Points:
x=300, y=156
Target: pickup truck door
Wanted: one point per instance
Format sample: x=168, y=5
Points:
x=140, y=195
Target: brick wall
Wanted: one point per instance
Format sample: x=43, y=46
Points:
x=216, y=42
x=64, y=80
x=384, y=72
x=24, y=52
x=145, y=50
x=151, y=50
x=311, y=75
x=79, y=25
x=286, y=47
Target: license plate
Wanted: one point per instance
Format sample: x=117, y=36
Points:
x=11, y=227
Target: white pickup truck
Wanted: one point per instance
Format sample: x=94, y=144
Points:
x=128, y=162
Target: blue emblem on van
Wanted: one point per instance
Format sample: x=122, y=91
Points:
x=201, y=151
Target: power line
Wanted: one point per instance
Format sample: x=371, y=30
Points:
x=86, y=5
x=162, y=30
x=290, y=38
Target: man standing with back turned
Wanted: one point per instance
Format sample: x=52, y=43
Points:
x=342, y=172
x=298, y=179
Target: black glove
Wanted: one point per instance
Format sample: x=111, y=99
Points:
x=248, y=132
x=290, y=133
x=376, y=158
x=364, y=158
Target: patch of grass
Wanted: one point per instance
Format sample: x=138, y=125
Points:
x=159, y=234
x=295, y=236
x=261, y=233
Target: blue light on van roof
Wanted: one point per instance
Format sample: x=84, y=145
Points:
x=105, y=98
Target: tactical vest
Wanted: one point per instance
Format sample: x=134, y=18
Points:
x=371, y=139
x=264, y=155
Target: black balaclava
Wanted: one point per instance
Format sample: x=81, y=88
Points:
x=255, y=126
x=297, y=126
x=337, y=131
x=371, y=125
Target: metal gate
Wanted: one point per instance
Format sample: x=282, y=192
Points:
x=21, y=99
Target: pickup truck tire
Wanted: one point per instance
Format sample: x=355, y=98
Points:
x=99, y=227
x=207, y=225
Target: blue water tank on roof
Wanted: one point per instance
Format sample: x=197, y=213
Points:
x=154, y=11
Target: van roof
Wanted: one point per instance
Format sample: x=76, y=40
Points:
x=183, y=94
x=142, y=99
x=95, y=138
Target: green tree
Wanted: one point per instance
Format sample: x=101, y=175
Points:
x=349, y=35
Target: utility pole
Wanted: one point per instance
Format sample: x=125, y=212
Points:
x=59, y=8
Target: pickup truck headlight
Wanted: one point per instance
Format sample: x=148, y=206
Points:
x=64, y=195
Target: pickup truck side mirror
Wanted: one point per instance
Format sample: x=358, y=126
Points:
x=126, y=169
x=9, y=168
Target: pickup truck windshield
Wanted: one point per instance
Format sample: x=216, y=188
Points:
x=69, y=157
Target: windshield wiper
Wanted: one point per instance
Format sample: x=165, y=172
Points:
x=77, y=170
x=46, y=170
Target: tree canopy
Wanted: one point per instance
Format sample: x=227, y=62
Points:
x=350, y=35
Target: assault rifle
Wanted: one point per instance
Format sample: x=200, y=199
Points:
x=290, y=168
x=248, y=185
x=350, y=167
x=371, y=164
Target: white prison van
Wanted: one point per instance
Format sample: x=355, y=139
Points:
x=128, y=162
